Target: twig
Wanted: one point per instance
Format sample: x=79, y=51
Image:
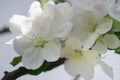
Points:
x=23, y=71
x=4, y=30
x=77, y=77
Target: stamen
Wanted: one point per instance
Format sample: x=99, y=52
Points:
x=38, y=41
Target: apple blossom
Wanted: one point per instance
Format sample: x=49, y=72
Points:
x=39, y=34
x=88, y=25
x=82, y=62
x=108, y=41
x=18, y=22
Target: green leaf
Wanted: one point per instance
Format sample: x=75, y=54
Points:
x=42, y=2
x=116, y=24
x=117, y=50
x=117, y=34
x=39, y=70
x=16, y=60
x=57, y=1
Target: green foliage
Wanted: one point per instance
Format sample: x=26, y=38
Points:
x=42, y=2
x=117, y=34
x=116, y=24
x=57, y=1
x=118, y=49
x=16, y=60
x=39, y=70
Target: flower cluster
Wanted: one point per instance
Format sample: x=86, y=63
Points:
x=79, y=30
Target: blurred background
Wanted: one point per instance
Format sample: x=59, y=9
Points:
x=7, y=53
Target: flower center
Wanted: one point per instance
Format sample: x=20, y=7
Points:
x=91, y=26
x=38, y=41
x=76, y=55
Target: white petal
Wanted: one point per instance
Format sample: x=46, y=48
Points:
x=74, y=43
x=89, y=41
x=49, y=9
x=21, y=43
x=27, y=27
x=32, y=58
x=41, y=25
x=64, y=8
x=114, y=12
x=84, y=66
x=35, y=9
x=65, y=29
x=104, y=26
x=66, y=52
x=111, y=40
x=101, y=8
x=72, y=67
x=106, y=68
x=51, y=52
x=16, y=22
x=45, y=27
x=100, y=48
x=54, y=13
x=52, y=32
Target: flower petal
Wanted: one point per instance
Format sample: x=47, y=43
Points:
x=52, y=32
x=27, y=27
x=66, y=52
x=41, y=25
x=89, y=40
x=16, y=22
x=100, y=48
x=32, y=58
x=104, y=26
x=111, y=40
x=101, y=8
x=65, y=29
x=51, y=51
x=35, y=9
x=72, y=67
x=106, y=68
x=49, y=9
x=74, y=43
x=64, y=8
x=21, y=43
x=84, y=66
x=114, y=11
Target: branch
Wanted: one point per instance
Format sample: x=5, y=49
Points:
x=23, y=71
x=77, y=77
x=4, y=30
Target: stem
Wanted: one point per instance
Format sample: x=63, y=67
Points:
x=13, y=75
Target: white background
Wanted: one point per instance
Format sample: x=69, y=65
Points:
x=10, y=7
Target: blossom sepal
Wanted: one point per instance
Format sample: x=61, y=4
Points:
x=39, y=70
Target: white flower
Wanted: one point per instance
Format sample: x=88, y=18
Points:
x=38, y=44
x=110, y=7
x=39, y=33
x=81, y=61
x=88, y=25
x=102, y=44
x=60, y=14
x=111, y=40
x=18, y=23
